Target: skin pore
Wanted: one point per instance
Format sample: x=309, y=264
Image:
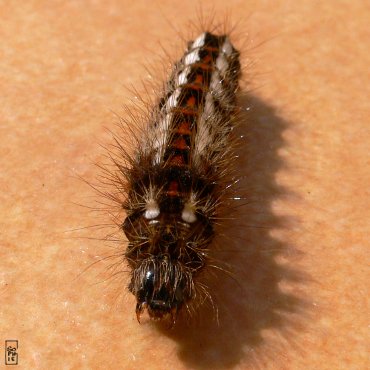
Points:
x=300, y=299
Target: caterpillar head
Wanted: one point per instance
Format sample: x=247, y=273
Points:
x=161, y=286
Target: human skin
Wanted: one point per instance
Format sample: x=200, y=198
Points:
x=301, y=300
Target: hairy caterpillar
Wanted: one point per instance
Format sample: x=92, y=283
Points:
x=178, y=175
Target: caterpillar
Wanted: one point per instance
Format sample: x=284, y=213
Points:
x=177, y=177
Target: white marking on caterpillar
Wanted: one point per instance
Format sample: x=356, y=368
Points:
x=199, y=41
x=160, y=133
x=182, y=78
x=188, y=214
x=222, y=64
x=152, y=210
x=173, y=99
x=192, y=57
x=227, y=48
